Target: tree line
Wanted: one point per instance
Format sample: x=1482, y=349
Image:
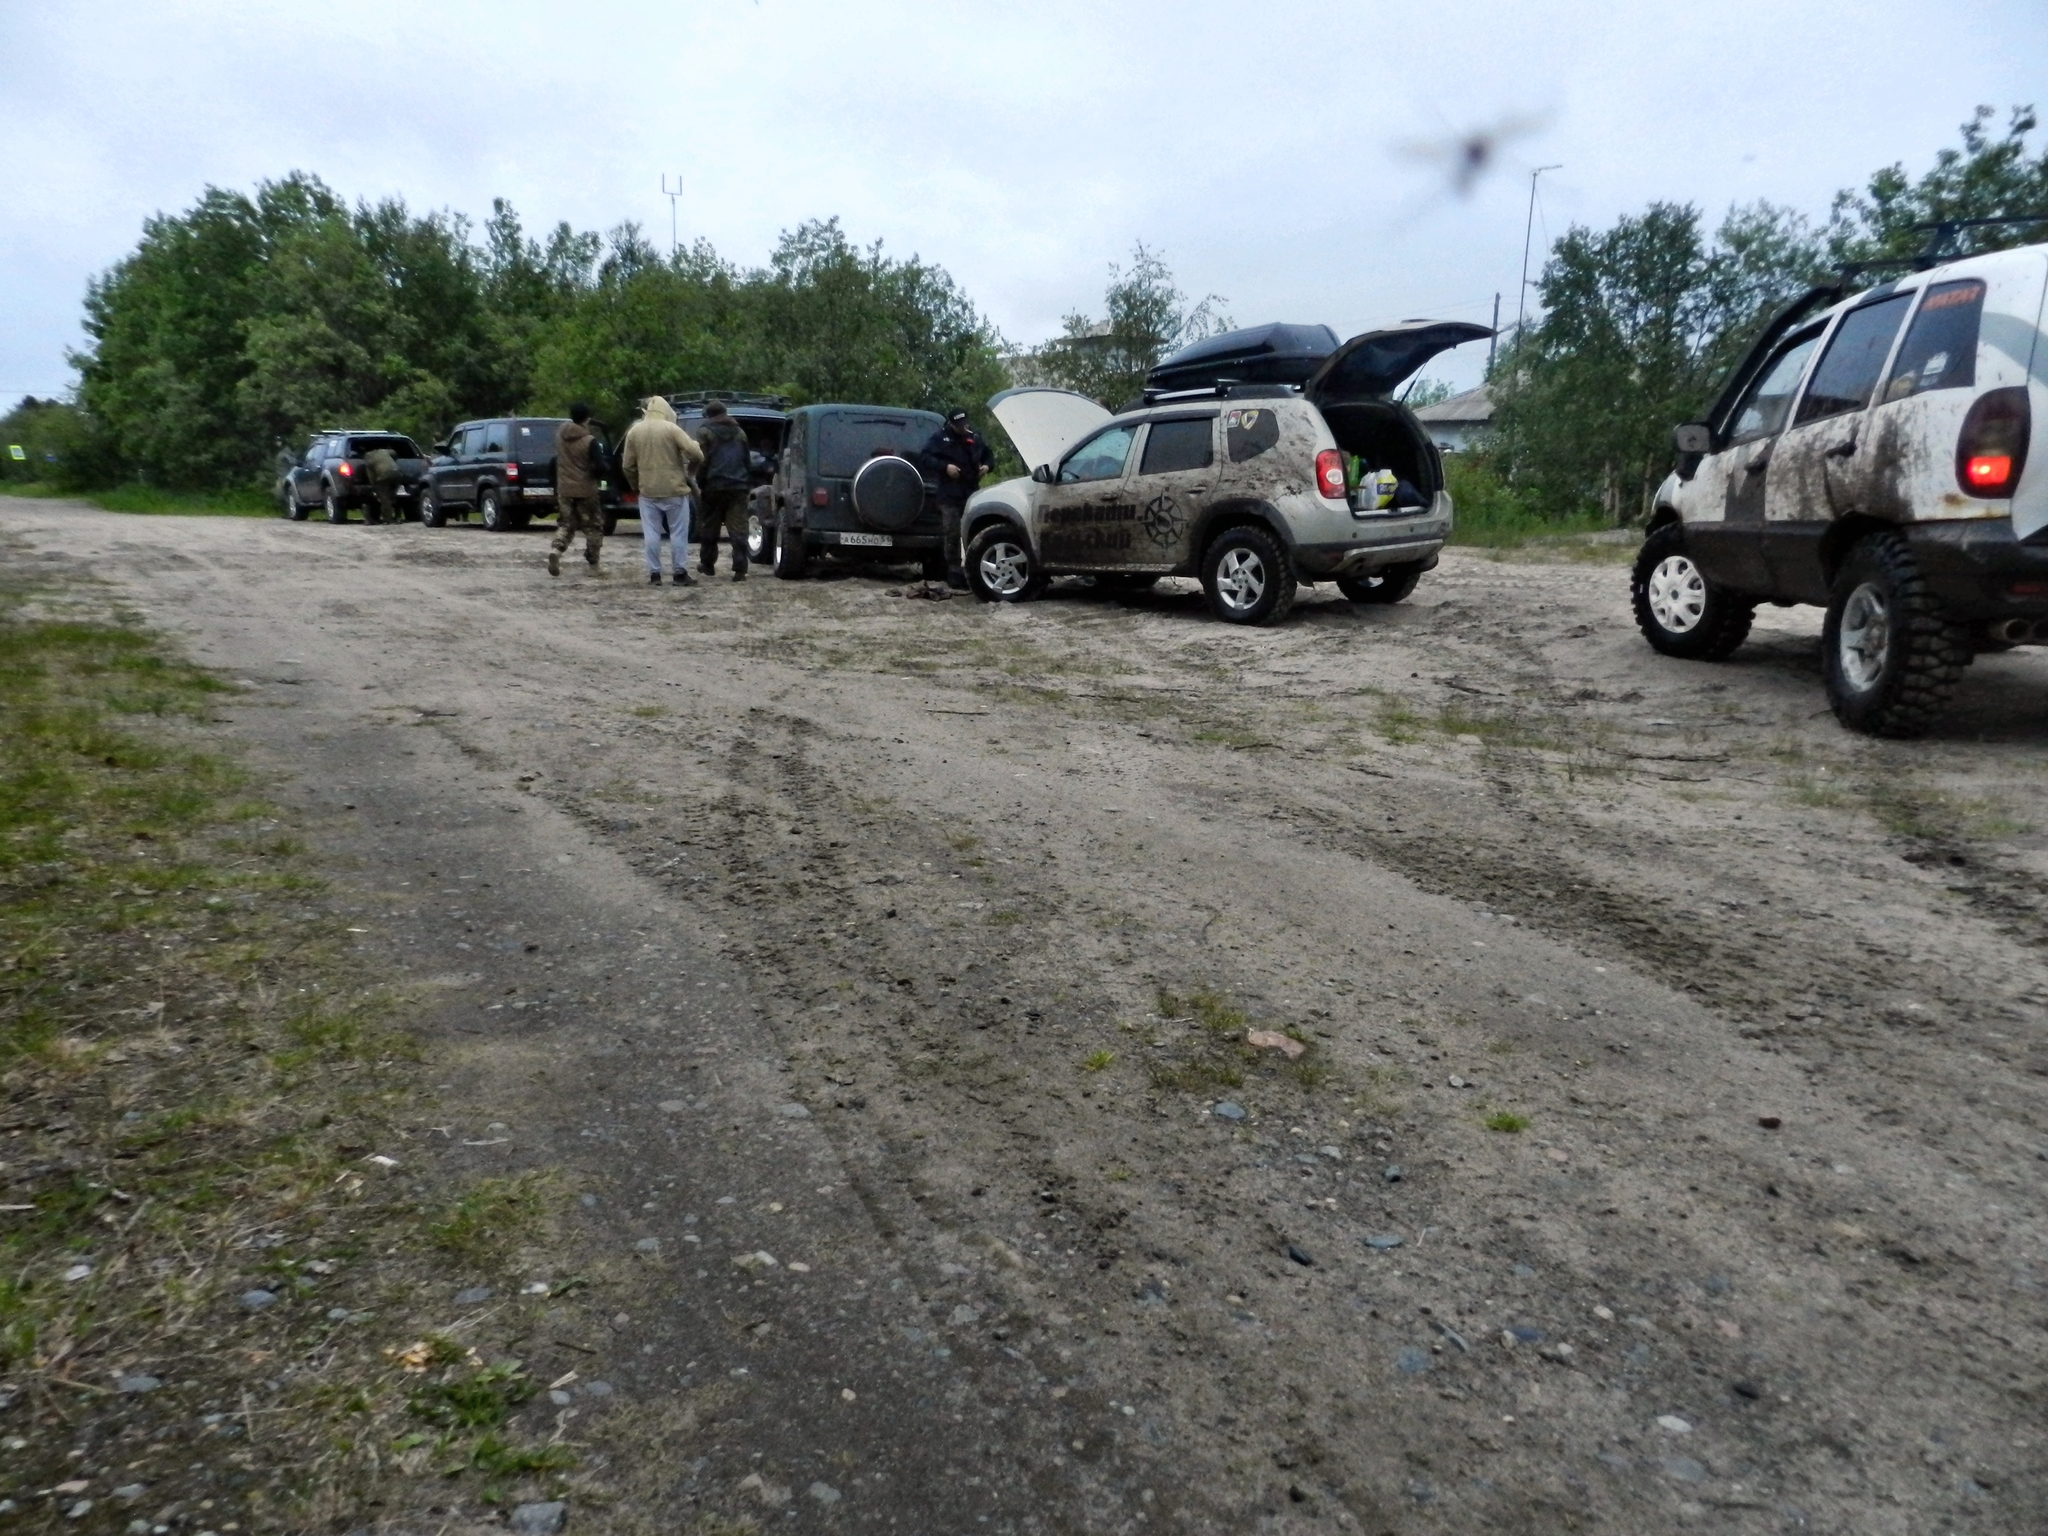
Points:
x=247, y=321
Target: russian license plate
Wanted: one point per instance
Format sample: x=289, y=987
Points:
x=878, y=540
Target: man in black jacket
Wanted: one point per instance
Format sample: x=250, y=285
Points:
x=727, y=477
x=956, y=458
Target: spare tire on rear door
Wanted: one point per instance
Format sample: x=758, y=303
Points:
x=888, y=493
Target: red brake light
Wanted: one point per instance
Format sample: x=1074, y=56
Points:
x=1988, y=471
x=1991, y=450
x=820, y=497
x=511, y=471
x=347, y=468
x=1330, y=473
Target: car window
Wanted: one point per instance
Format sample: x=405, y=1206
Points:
x=401, y=446
x=494, y=437
x=1102, y=457
x=472, y=442
x=1177, y=445
x=1763, y=409
x=314, y=450
x=1850, y=367
x=848, y=439
x=1940, y=350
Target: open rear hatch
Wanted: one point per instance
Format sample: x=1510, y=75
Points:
x=1372, y=365
x=1045, y=423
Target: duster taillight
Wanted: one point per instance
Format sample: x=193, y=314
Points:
x=1330, y=473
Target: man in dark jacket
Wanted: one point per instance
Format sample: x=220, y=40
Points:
x=726, y=478
x=576, y=503
x=956, y=458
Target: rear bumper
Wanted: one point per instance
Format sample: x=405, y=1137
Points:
x=1978, y=569
x=1373, y=543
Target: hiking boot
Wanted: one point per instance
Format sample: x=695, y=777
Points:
x=590, y=558
x=683, y=579
x=554, y=562
x=654, y=578
x=739, y=570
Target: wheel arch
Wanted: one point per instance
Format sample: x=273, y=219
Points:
x=980, y=518
x=1843, y=535
x=1240, y=512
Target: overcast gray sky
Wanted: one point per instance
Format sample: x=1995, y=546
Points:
x=1024, y=147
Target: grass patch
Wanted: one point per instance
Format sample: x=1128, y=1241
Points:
x=1506, y=1121
x=196, y=1089
x=1097, y=1061
x=150, y=501
x=1217, y=1054
x=493, y=1215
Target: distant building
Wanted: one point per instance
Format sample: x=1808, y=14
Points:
x=1458, y=423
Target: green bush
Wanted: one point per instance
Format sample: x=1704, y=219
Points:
x=1492, y=514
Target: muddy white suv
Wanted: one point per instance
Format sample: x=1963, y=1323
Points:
x=1255, y=463
x=1869, y=455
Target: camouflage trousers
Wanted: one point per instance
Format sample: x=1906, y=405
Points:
x=579, y=512
x=386, y=492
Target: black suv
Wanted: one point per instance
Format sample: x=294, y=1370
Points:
x=504, y=470
x=331, y=475
x=811, y=499
x=765, y=420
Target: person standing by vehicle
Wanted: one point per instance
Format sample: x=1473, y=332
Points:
x=956, y=458
x=576, y=503
x=658, y=463
x=382, y=465
x=728, y=458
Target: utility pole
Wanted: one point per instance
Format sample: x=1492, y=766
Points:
x=678, y=192
x=1493, y=341
x=1529, y=224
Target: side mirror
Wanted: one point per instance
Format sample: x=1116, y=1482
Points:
x=1693, y=437
x=1043, y=474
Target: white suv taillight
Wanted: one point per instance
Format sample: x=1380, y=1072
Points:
x=1992, y=448
x=1330, y=474
x=511, y=471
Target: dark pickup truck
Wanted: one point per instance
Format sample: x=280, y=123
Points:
x=332, y=475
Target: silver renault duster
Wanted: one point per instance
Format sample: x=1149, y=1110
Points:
x=1257, y=460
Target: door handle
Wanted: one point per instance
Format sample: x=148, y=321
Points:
x=1843, y=449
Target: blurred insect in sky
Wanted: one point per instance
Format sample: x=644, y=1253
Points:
x=1466, y=156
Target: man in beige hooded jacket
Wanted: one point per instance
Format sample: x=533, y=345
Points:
x=659, y=462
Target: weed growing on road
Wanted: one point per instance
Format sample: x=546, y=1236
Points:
x=1096, y=1061
x=1506, y=1121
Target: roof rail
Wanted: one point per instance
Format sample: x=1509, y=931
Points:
x=730, y=397
x=1942, y=233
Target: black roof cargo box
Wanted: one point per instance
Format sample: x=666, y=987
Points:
x=1259, y=354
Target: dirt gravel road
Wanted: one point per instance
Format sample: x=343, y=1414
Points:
x=1664, y=1144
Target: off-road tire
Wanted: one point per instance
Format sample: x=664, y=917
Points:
x=288, y=501
x=337, y=510
x=432, y=513
x=1389, y=584
x=760, y=541
x=611, y=524
x=491, y=512
x=792, y=558
x=1000, y=567
x=1890, y=653
x=1679, y=611
x=1248, y=577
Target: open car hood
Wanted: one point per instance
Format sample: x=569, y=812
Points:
x=1371, y=366
x=1045, y=423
